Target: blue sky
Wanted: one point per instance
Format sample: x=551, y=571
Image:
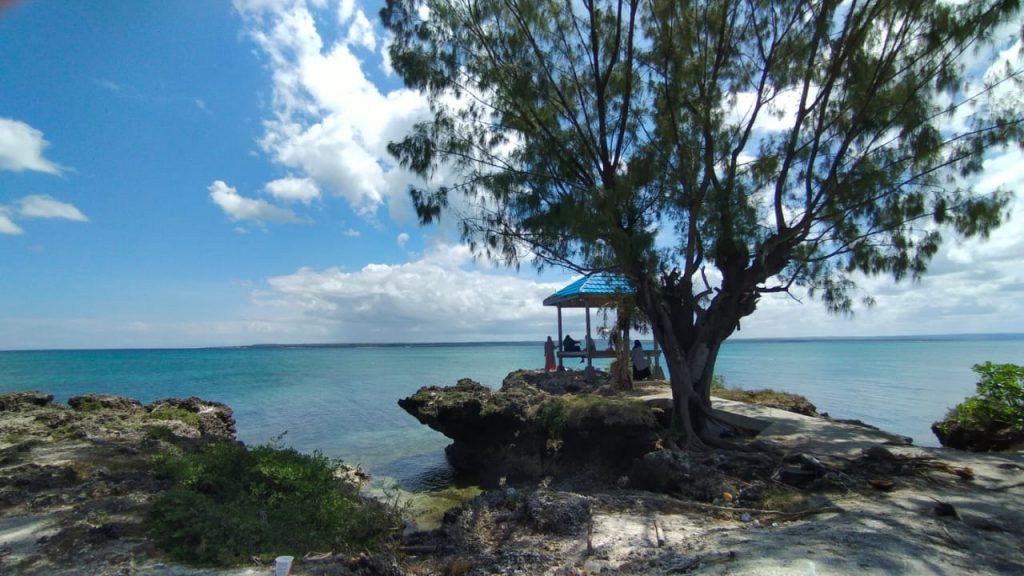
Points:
x=203, y=172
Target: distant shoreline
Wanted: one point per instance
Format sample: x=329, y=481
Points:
x=996, y=336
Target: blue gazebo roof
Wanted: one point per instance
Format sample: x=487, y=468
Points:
x=594, y=290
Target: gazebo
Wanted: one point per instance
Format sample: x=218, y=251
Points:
x=596, y=290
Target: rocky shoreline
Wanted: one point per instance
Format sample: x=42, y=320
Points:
x=802, y=494
x=808, y=496
x=75, y=480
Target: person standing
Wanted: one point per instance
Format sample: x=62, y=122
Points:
x=549, y=355
x=641, y=366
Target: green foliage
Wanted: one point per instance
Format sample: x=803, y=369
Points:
x=157, y=432
x=561, y=411
x=87, y=405
x=229, y=503
x=999, y=400
x=179, y=414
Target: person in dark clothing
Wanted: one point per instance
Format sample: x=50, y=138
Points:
x=570, y=345
x=641, y=366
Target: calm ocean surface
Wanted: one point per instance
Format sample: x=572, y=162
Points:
x=342, y=400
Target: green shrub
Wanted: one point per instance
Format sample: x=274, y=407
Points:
x=999, y=400
x=179, y=414
x=229, y=503
x=556, y=413
x=87, y=405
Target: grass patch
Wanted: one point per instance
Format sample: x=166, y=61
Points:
x=229, y=503
x=556, y=413
x=763, y=397
x=171, y=413
x=161, y=433
x=88, y=405
x=428, y=509
x=783, y=499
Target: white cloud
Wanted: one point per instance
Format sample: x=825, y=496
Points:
x=238, y=207
x=345, y=10
x=21, y=148
x=110, y=85
x=330, y=123
x=293, y=189
x=43, y=206
x=436, y=298
x=201, y=104
x=351, y=233
x=385, y=55
x=402, y=239
x=7, y=226
x=361, y=33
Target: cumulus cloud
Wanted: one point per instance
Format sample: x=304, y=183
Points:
x=330, y=123
x=43, y=206
x=360, y=33
x=345, y=10
x=238, y=207
x=7, y=225
x=21, y=148
x=402, y=239
x=436, y=298
x=351, y=233
x=293, y=189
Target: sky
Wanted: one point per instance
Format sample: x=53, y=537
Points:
x=214, y=173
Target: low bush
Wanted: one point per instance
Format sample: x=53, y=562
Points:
x=179, y=414
x=998, y=403
x=229, y=503
x=555, y=414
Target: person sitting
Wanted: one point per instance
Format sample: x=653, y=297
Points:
x=641, y=366
x=570, y=345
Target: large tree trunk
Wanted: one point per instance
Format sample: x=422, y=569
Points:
x=659, y=312
x=691, y=347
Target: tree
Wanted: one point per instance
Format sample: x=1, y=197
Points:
x=710, y=150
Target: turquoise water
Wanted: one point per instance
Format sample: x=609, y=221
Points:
x=342, y=400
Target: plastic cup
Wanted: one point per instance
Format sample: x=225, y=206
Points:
x=284, y=565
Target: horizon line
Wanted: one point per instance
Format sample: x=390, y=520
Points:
x=270, y=345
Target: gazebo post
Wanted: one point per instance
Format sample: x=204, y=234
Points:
x=560, y=366
x=588, y=339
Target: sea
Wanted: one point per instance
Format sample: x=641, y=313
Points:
x=341, y=400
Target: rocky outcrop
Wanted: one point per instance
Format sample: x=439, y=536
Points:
x=82, y=475
x=978, y=437
x=564, y=382
x=19, y=401
x=522, y=432
x=105, y=402
x=216, y=420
